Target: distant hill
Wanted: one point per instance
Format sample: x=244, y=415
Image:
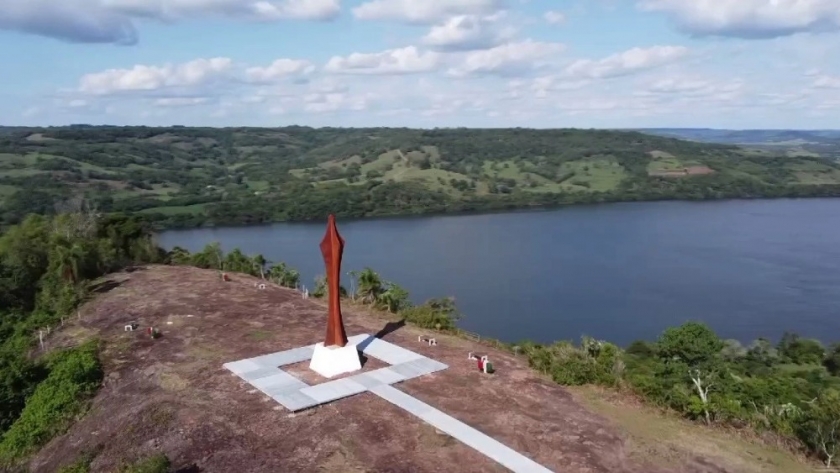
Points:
x=186, y=176
x=821, y=142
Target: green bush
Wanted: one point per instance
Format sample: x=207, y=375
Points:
x=439, y=314
x=595, y=362
x=155, y=464
x=82, y=465
x=74, y=375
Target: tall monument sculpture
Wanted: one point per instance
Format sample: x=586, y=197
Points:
x=334, y=356
x=332, y=249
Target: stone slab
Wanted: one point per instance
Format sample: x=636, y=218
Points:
x=490, y=447
x=333, y=390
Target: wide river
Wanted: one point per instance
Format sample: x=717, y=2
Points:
x=617, y=272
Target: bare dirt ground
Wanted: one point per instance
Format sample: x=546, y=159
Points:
x=172, y=395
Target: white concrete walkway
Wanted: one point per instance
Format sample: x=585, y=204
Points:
x=494, y=449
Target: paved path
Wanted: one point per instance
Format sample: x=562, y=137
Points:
x=494, y=449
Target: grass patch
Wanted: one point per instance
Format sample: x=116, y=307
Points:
x=155, y=464
x=258, y=185
x=81, y=465
x=656, y=437
x=801, y=153
x=597, y=174
x=814, y=173
x=668, y=163
x=502, y=169
x=342, y=163
x=21, y=172
x=7, y=190
x=184, y=209
x=259, y=335
x=382, y=163
x=74, y=376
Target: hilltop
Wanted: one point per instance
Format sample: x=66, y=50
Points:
x=182, y=176
x=792, y=143
x=172, y=396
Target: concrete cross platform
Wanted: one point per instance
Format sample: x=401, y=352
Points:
x=266, y=374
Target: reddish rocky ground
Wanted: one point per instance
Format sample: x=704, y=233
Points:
x=172, y=395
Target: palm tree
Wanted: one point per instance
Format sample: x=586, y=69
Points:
x=284, y=275
x=259, y=262
x=216, y=250
x=69, y=260
x=394, y=298
x=370, y=286
x=179, y=256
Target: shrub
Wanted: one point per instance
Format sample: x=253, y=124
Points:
x=74, y=375
x=158, y=463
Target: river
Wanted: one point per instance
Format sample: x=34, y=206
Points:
x=618, y=272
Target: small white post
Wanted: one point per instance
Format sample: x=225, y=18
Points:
x=41, y=338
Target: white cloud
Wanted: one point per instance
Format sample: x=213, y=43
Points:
x=824, y=81
x=424, y=11
x=78, y=21
x=545, y=85
x=148, y=78
x=180, y=101
x=554, y=17
x=751, y=19
x=280, y=69
x=408, y=60
x=507, y=59
x=77, y=103
x=113, y=21
x=687, y=88
x=267, y=10
x=31, y=112
x=331, y=102
x=465, y=32
x=627, y=62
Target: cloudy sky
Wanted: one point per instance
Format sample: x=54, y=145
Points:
x=425, y=63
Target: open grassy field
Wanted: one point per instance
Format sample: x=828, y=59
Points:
x=670, y=441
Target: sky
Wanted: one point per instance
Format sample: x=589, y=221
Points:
x=422, y=63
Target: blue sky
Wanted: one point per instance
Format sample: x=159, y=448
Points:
x=423, y=63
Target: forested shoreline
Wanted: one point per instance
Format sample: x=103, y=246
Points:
x=183, y=177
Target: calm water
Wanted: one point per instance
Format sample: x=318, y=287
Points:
x=618, y=272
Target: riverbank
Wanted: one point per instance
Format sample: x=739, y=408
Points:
x=161, y=222
x=657, y=437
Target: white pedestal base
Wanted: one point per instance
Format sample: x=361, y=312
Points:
x=333, y=361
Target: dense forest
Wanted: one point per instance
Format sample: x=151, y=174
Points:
x=186, y=177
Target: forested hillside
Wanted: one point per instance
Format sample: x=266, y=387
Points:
x=182, y=176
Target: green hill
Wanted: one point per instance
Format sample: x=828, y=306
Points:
x=181, y=176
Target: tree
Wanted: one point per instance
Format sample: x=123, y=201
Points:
x=695, y=348
x=178, y=256
x=68, y=259
x=284, y=275
x=692, y=343
x=370, y=286
x=394, y=298
x=820, y=428
x=259, y=262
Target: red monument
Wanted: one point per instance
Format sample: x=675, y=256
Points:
x=332, y=248
x=334, y=356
